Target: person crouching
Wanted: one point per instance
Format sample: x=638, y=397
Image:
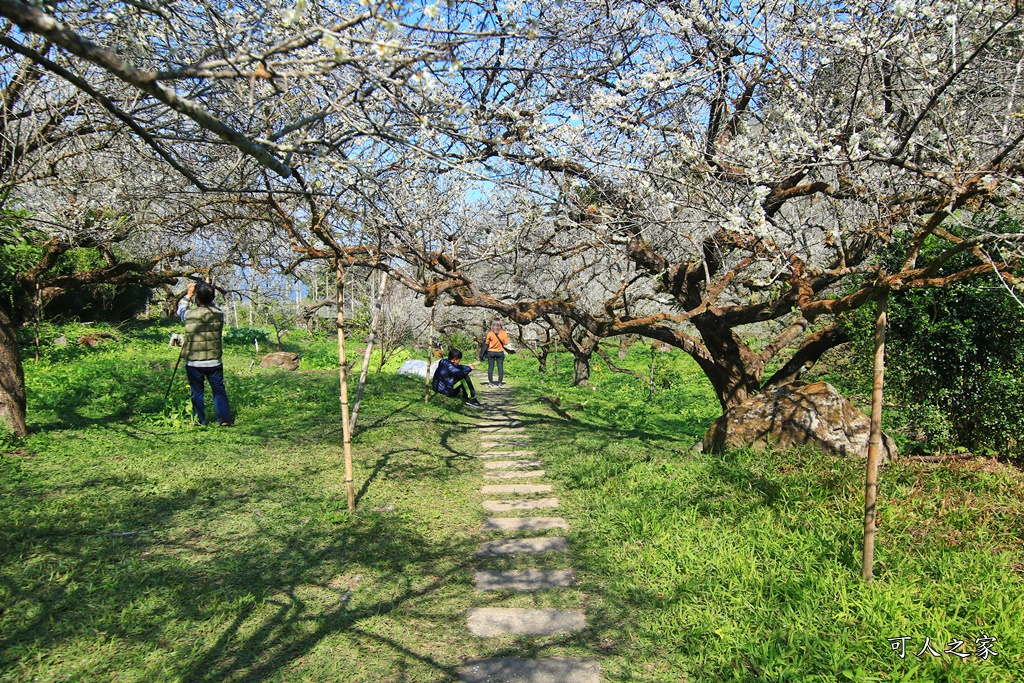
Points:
x=452, y=379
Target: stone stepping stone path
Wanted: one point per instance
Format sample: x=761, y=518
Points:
x=503, y=445
x=512, y=464
x=500, y=621
x=520, y=504
x=517, y=669
x=524, y=579
x=516, y=488
x=504, y=457
x=524, y=524
x=515, y=474
x=523, y=546
x=507, y=454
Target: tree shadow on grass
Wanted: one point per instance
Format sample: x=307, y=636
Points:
x=109, y=581
x=293, y=629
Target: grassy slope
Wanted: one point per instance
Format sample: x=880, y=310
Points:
x=692, y=566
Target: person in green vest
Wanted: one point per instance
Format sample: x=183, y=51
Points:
x=204, y=326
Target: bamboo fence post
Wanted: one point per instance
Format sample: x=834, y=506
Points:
x=346, y=431
x=384, y=281
x=39, y=314
x=875, y=442
x=654, y=355
x=430, y=357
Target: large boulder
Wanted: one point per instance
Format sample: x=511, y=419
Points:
x=794, y=414
x=281, y=359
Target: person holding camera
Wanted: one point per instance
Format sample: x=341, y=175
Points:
x=204, y=327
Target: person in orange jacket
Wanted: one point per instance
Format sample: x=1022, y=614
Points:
x=496, y=341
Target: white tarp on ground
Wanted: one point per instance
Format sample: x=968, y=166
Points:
x=417, y=368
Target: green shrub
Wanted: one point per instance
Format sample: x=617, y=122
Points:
x=459, y=340
x=954, y=362
x=245, y=335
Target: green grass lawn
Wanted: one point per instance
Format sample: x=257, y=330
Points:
x=243, y=563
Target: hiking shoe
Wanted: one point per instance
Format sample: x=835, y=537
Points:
x=473, y=403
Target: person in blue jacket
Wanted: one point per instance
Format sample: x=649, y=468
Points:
x=452, y=379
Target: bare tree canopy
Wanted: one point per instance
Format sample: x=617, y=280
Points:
x=675, y=170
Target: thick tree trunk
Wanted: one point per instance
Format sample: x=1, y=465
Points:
x=736, y=371
x=625, y=341
x=580, y=369
x=12, y=378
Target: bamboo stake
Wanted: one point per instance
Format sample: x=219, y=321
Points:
x=39, y=314
x=430, y=358
x=653, y=357
x=369, y=346
x=875, y=443
x=346, y=431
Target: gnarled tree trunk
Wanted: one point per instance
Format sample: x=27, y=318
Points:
x=12, y=378
x=735, y=373
x=580, y=369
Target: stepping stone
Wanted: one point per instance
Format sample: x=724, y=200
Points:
x=521, y=504
x=524, y=579
x=503, y=444
x=496, y=621
x=514, y=474
x=512, y=464
x=523, y=524
x=523, y=546
x=506, y=454
x=517, y=488
x=519, y=670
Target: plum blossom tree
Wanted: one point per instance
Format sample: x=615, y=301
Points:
x=701, y=168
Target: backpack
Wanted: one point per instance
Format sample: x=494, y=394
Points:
x=481, y=353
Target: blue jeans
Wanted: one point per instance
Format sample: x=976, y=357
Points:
x=220, y=394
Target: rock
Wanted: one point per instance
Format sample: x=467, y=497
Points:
x=793, y=414
x=61, y=341
x=281, y=359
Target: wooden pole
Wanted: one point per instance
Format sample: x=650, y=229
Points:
x=346, y=431
x=875, y=442
x=39, y=314
x=430, y=358
x=369, y=346
x=654, y=355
